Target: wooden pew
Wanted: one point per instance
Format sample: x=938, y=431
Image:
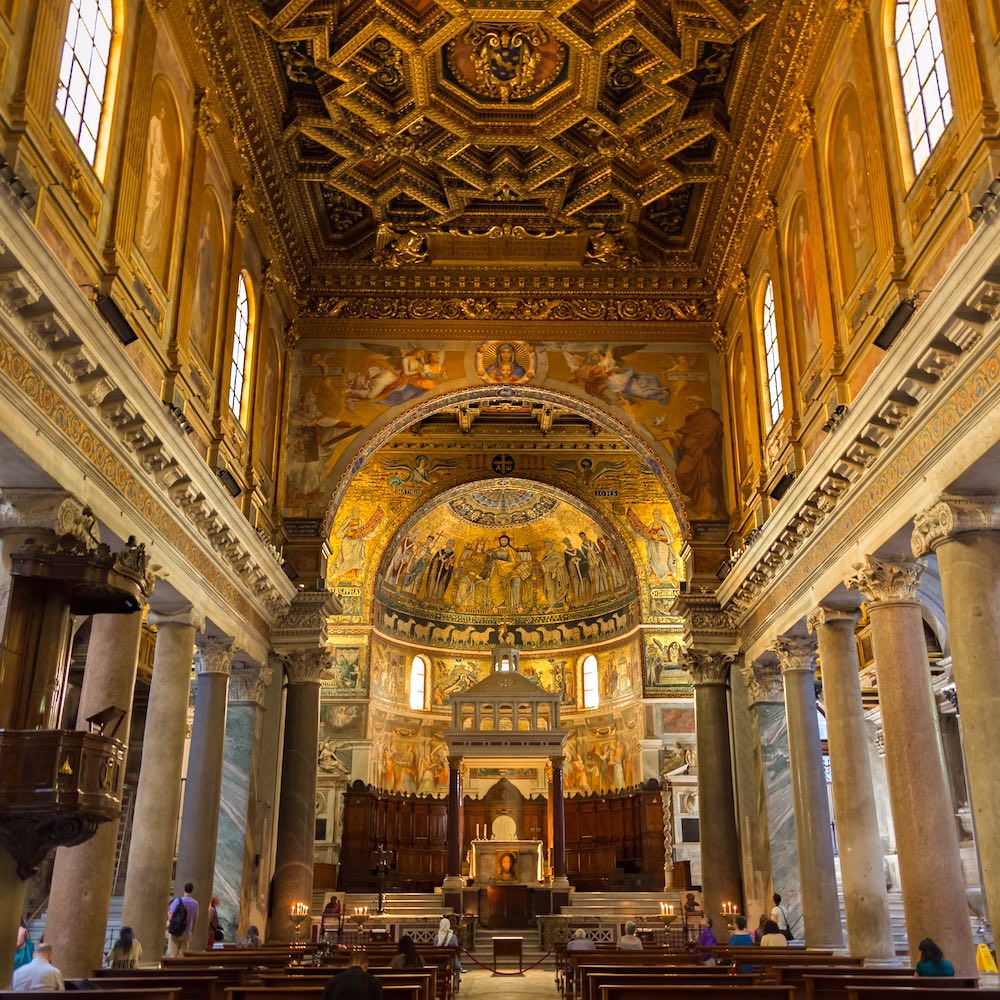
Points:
x=921, y=990
x=140, y=994
x=713, y=991
x=237, y=958
x=795, y=975
x=825, y=987
x=624, y=961
x=319, y=978
x=203, y=987
x=424, y=980
x=595, y=979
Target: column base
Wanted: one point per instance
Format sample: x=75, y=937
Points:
x=560, y=882
x=453, y=883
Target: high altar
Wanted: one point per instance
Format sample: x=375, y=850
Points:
x=506, y=715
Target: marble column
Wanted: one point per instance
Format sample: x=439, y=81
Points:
x=559, y=880
x=158, y=795
x=203, y=783
x=720, y=847
x=82, y=877
x=862, y=864
x=926, y=832
x=813, y=832
x=11, y=913
x=775, y=814
x=454, y=876
x=294, y=857
x=964, y=534
x=235, y=847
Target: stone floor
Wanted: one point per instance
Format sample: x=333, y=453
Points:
x=480, y=984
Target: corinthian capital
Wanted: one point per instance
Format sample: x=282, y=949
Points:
x=248, y=684
x=48, y=510
x=950, y=516
x=707, y=666
x=215, y=655
x=306, y=666
x=796, y=652
x=886, y=579
x=823, y=615
x=764, y=682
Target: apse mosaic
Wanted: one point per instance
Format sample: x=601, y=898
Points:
x=340, y=388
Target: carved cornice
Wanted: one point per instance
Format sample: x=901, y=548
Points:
x=796, y=653
x=306, y=666
x=951, y=516
x=248, y=683
x=182, y=617
x=707, y=667
x=886, y=580
x=215, y=655
x=48, y=510
x=764, y=682
x=705, y=623
x=304, y=624
x=802, y=124
x=823, y=616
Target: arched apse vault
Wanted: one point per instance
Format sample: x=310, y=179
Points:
x=660, y=462
x=524, y=443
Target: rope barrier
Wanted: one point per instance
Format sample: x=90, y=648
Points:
x=534, y=965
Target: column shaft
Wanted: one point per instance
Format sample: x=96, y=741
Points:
x=11, y=914
x=203, y=784
x=817, y=875
x=869, y=931
x=969, y=565
x=558, y=824
x=294, y=858
x=82, y=877
x=926, y=832
x=720, y=849
x=455, y=817
x=158, y=795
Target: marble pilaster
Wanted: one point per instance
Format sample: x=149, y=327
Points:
x=294, y=858
x=813, y=832
x=926, y=832
x=770, y=726
x=236, y=845
x=158, y=795
x=82, y=876
x=720, y=850
x=862, y=864
x=203, y=783
x=964, y=535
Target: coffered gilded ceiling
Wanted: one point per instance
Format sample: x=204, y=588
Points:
x=414, y=136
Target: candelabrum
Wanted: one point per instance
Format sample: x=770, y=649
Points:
x=730, y=911
x=667, y=917
x=298, y=913
x=360, y=916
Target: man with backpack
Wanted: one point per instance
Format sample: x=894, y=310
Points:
x=182, y=916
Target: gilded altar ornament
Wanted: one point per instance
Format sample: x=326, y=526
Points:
x=398, y=249
x=505, y=361
x=611, y=248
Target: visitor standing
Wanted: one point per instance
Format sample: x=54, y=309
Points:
x=181, y=923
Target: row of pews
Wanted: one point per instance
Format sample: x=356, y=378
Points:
x=268, y=973
x=752, y=972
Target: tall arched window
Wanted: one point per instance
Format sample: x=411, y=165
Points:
x=772, y=361
x=83, y=72
x=924, y=76
x=590, y=692
x=241, y=347
x=418, y=683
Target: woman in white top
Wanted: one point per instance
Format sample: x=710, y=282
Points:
x=779, y=916
x=126, y=952
x=772, y=937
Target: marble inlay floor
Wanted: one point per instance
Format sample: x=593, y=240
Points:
x=480, y=984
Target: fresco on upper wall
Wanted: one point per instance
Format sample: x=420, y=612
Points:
x=266, y=412
x=157, y=208
x=849, y=189
x=339, y=388
x=602, y=753
x=346, y=673
x=804, y=260
x=342, y=720
x=663, y=672
x=200, y=302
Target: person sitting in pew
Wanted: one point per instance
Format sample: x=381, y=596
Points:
x=578, y=942
x=741, y=937
x=354, y=983
x=39, y=975
x=772, y=936
x=932, y=961
x=252, y=939
x=407, y=956
x=629, y=941
x=759, y=932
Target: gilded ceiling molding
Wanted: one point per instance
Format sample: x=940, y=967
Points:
x=802, y=124
x=952, y=516
x=852, y=11
x=886, y=580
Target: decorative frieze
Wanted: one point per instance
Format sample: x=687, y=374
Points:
x=950, y=516
x=882, y=580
